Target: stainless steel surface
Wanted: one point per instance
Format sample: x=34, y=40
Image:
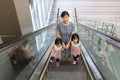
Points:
x=91, y=64
x=66, y=71
x=103, y=50
x=42, y=66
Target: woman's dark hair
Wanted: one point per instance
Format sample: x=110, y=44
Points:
x=64, y=13
x=75, y=35
x=58, y=41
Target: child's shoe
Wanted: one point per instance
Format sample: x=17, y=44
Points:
x=74, y=62
x=57, y=64
x=51, y=61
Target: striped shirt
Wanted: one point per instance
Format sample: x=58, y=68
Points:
x=65, y=31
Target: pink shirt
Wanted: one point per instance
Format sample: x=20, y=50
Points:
x=75, y=49
x=56, y=52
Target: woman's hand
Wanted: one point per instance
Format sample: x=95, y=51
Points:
x=67, y=46
x=63, y=44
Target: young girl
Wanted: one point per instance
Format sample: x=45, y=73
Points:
x=56, y=50
x=75, y=47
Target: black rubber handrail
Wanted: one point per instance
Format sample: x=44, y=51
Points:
x=109, y=39
x=45, y=60
x=58, y=15
x=75, y=15
x=42, y=65
x=89, y=63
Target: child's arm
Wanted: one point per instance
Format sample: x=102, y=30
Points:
x=52, y=47
x=62, y=48
x=63, y=44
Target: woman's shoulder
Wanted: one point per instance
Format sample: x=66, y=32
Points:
x=71, y=23
x=59, y=23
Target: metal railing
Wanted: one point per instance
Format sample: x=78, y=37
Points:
x=92, y=70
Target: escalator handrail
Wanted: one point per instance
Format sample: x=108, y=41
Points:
x=75, y=15
x=46, y=59
x=91, y=67
x=42, y=65
x=23, y=38
x=58, y=15
x=109, y=39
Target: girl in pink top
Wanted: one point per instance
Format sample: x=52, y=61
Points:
x=75, y=47
x=56, y=51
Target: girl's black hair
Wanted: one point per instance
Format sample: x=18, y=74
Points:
x=64, y=13
x=58, y=41
x=75, y=35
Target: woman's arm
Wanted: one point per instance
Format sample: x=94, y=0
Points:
x=62, y=49
x=58, y=31
x=58, y=34
x=73, y=29
x=71, y=37
x=68, y=44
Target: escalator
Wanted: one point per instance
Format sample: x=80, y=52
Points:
x=99, y=59
x=20, y=58
x=110, y=29
x=104, y=51
x=27, y=58
x=67, y=71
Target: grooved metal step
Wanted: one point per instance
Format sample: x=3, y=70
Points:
x=66, y=71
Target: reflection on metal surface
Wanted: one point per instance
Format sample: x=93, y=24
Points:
x=19, y=59
x=103, y=51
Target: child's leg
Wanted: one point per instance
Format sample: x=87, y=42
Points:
x=51, y=59
x=78, y=56
x=75, y=59
x=57, y=62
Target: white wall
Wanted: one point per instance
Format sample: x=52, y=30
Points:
x=9, y=24
x=101, y=10
x=24, y=16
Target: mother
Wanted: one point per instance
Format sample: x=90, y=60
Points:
x=65, y=29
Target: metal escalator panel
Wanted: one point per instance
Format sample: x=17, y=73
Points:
x=19, y=59
x=110, y=29
x=66, y=71
x=103, y=50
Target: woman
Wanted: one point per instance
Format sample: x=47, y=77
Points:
x=65, y=29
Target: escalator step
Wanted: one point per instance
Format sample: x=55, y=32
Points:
x=66, y=71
